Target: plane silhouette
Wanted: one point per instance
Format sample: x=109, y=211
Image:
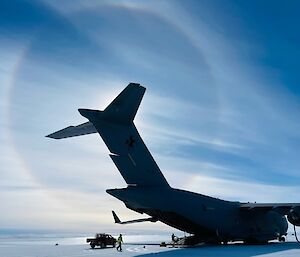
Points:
x=207, y=218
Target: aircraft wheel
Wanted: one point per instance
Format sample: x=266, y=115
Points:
x=281, y=239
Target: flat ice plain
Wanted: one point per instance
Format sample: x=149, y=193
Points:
x=76, y=247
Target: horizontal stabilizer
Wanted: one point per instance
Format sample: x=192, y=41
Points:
x=74, y=131
x=118, y=221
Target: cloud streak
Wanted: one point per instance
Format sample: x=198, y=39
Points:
x=216, y=118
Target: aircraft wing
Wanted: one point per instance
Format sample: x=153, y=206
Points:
x=282, y=208
x=118, y=221
x=74, y=131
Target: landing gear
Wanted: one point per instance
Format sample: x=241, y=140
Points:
x=296, y=234
x=281, y=239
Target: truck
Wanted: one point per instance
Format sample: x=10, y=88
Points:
x=103, y=240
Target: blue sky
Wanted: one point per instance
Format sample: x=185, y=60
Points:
x=220, y=114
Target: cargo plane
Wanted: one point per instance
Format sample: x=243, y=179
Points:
x=208, y=219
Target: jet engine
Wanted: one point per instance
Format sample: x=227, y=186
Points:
x=294, y=216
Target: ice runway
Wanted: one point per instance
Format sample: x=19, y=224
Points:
x=289, y=249
x=75, y=247
x=33, y=250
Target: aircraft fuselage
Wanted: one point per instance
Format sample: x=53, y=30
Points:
x=208, y=218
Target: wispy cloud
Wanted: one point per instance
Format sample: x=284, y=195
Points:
x=217, y=119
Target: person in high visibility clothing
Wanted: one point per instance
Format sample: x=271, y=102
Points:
x=119, y=241
x=174, y=239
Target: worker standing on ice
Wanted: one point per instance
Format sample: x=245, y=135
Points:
x=119, y=241
x=174, y=239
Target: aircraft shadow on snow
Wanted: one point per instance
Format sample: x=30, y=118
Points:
x=234, y=250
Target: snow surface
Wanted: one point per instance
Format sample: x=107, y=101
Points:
x=75, y=247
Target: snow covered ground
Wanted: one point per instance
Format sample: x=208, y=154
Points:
x=76, y=247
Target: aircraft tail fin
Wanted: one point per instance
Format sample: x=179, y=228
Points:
x=122, y=109
x=127, y=149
